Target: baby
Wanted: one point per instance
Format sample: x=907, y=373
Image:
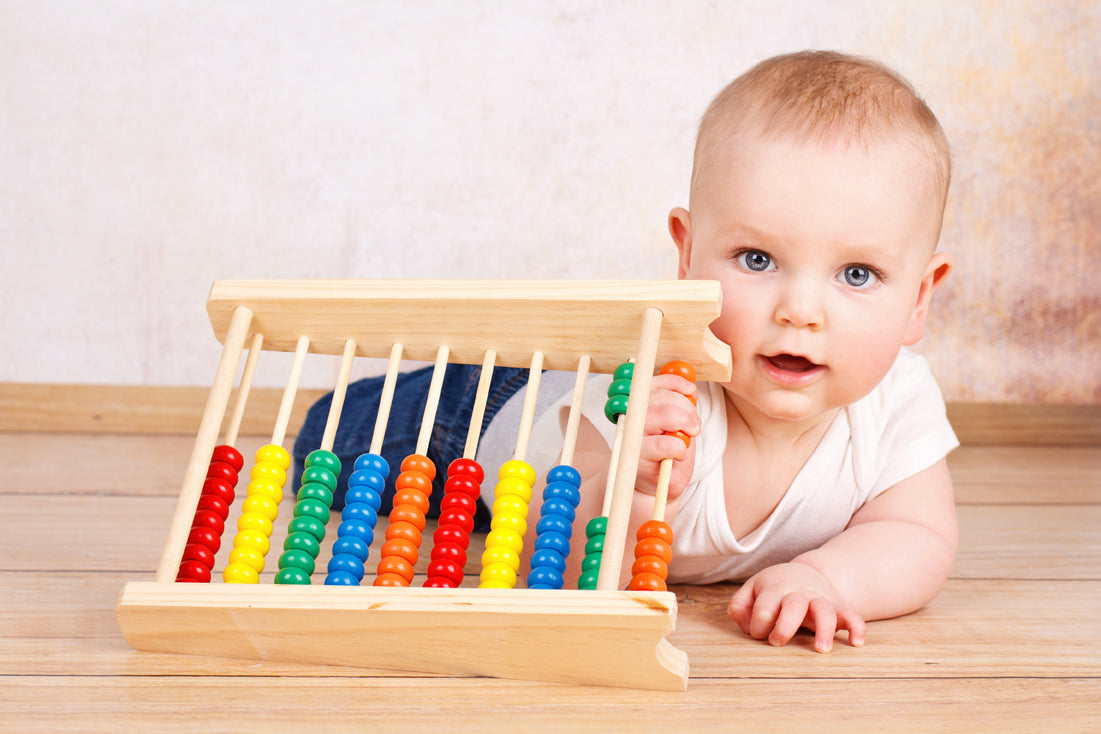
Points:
x=817, y=474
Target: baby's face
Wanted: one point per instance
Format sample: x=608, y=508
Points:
x=821, y=251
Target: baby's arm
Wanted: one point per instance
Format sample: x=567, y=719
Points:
x=891, y=560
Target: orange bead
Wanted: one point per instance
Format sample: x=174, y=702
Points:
x=647, y=582
x=418, y=462
x=397, y=566
x=409, y=514
x=390, y=579
x=652, y=565
x=405, y=530
x=655, y=529
x=682, y=436
x=401, y=548
x=677, y=367
x=654, y=547
x=412, y=497
x=414, y=480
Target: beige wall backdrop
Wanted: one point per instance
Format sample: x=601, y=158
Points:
x=148, y=148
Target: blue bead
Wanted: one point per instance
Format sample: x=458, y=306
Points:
x=347, y=564
x=369, y=479
x=558, y=508
x=549, y=558
x=563, y=491
x=553, y=523
x=364, y=495
x=374, y=462
x=360, y=511
x=356, y=528
x=555, y=541
x=341, y=578
x=564, y=473
x=351, y=545
x=544, y=578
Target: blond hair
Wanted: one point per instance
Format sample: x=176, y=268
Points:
x=823, y=96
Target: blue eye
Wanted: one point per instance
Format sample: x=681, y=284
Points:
x=859, y=276
x=755, y=260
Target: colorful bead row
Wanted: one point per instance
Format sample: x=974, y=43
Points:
x=258, y=513
x=505, y=540
x=357, y=520
x=452, y=537
x=552, y=541
x=217, y=495
x=403, y=535
x=311, y=512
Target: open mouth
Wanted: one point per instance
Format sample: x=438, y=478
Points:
x=791, y=363
x=791, y=369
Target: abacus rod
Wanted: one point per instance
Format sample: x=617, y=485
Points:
x=386, y=398
x=279, y=433
x=243, y=389
x=661, y=496
x=613, y=466
x=573, y=423
x=527, y=416
x=433, y=402
x=624, y=487
x=470, y=450
x=205, y=439
x=337, y=404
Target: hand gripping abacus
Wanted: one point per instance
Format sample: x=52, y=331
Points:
x=603, y=636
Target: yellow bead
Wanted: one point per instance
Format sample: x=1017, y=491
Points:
x=505, y=538
x=240, y=573
x=260, y=504
x=274, y=454
x=269, y=472
x=519, y=469
x=501, y=554
x=247, y=556
x=252, y=539
x=498, y=576
x=510, y=504
x=257, y=522
x=514, y=486
x=263, y=487
x=509, y=521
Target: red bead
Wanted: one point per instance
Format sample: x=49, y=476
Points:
x=438, y=582
x=402, y=548
x=417, y=462
x=451, y=534
x=466, y=467
x=199, y=553
x=411, y=497
x=647, y=582
x=194, y=571
x=219, y=488
x=214, y=504
x=209, y=519
x=459, y=501
x=462, y=484
x=447, y=569
x=229, y=455
x=409, y=514
x=654, y=547
x=205, y=536
x=459, y=518
x=405, y=530
x=222, y=470
x=449, y=551
x=655, y=529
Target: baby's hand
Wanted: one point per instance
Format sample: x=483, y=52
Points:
x=779, y=600
x=672, y=408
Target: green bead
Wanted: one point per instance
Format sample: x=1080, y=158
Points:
x=302, y=541
x=326, y=459
x=624, y=371
x=297, y=559
x=307, y=524
x=591, y=563
x=619, y=387
x=597, y=526
x=317, y=491
x=615, y=407
x=588, y=580
x=595, y=545
x=292, y=575
x=312, y=508
x=320, y=475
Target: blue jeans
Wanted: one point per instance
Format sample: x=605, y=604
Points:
x=448, y=438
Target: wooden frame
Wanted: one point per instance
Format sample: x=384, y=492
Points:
x=606, y=637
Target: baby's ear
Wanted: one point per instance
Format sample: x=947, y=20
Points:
x=939, y=267
x=680, y=227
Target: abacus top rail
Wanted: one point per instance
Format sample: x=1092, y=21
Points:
x=562, y=319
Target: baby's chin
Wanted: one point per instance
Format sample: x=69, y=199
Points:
x=782, y=406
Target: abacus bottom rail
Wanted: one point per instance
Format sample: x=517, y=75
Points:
x=612, y=638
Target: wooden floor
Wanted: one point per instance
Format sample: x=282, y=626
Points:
x=1013, y=642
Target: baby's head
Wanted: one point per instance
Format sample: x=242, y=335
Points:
x=825, y=97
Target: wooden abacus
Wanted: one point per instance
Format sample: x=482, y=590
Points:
x=604, y=636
